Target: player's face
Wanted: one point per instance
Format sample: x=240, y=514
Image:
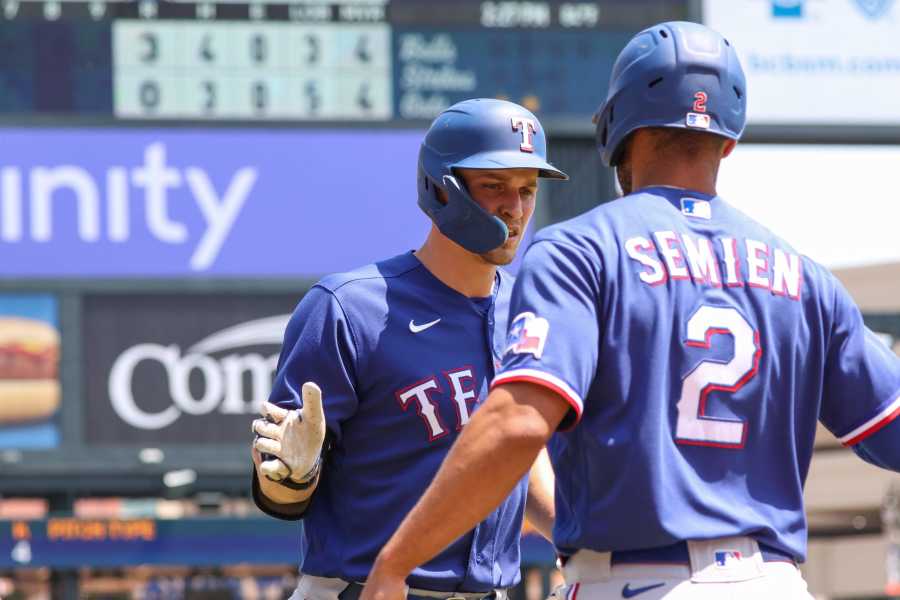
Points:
x=509, y=194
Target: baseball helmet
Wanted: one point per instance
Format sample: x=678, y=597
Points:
x=477, y=134
x=675, y=74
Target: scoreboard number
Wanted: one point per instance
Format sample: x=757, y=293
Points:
x=151, y=47
x=260, y=96
x=209, y=104
x=313, y=55
x=206, y=49
x=149, y=95
x=258, y=48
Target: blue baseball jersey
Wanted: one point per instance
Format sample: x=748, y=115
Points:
x=697, y=350
x=402, y=361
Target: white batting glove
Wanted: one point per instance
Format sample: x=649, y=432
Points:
x=292, y=438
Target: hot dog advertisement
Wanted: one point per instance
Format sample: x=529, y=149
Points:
x=30, y=392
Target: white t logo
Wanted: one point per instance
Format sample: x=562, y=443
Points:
x=527, y=127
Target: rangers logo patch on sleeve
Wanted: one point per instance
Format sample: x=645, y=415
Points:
x=527, y=334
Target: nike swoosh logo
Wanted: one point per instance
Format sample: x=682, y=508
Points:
x=418, y=328
x=630, y=592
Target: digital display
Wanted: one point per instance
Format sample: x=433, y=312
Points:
x=244, y=70
x=70, y=542
x=357, y=61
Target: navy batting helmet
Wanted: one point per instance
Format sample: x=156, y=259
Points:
x=674, y=74
x=477, y=134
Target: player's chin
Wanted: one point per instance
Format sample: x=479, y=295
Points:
x=503, y=255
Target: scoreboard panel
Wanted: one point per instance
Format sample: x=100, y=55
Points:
x=308, y=60
x=244, y=70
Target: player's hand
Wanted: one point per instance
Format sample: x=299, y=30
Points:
x=291, y=440
x=383, y=586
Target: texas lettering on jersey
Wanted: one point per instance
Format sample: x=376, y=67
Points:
x=422, y=394
x=690, y=257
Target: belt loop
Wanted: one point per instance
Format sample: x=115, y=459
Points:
x=587, y=566
x=311, y=587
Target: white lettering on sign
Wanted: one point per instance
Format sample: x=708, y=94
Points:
x=223, y=376
x=43, y=189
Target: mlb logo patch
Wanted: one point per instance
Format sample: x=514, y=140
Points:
x=697, y=121
x=700, y=209
x=527, y=335
x=727, y=558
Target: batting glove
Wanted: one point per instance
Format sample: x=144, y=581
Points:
x=291, y=440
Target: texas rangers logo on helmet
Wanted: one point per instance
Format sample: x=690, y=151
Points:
x=527, y=127
x=527, y=334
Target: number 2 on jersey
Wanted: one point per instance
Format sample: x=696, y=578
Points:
x=694, y=427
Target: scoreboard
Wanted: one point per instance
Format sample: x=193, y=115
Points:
x=246, y=70
x=308, y=60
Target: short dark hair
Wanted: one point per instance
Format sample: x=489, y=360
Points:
x=686, y=142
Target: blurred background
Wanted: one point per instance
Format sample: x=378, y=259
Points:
x=174, y=175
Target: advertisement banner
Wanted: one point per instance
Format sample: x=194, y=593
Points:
x=29, y=372
x=179, y=369
x=815, y=61
x=187, y=203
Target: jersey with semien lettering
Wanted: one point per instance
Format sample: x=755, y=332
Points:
x=697, y=351
x=403, y=361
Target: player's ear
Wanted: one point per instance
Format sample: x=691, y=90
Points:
x=728, y=148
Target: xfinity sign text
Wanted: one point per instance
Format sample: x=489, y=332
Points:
x=129, y=203
x=103, y=207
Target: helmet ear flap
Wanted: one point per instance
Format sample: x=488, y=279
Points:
x=466, y=223
x=602, y=120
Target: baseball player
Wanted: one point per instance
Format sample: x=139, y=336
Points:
x=683, y=352
x=382, y=367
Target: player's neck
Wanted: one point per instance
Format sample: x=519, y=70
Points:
x=696, y=177
x=457, y=268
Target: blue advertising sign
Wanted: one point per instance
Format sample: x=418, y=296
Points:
x=187, y=203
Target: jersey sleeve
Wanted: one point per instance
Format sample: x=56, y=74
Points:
x=862, y=376
x=318, y=346
x=553, y=328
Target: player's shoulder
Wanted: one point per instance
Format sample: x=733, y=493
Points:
x=589, y=232
x=372, y=277
x=360, y=294
x=818, y=278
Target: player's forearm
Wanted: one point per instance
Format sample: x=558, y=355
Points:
x=539, y=509
x=472, y=481
x=280, y=494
